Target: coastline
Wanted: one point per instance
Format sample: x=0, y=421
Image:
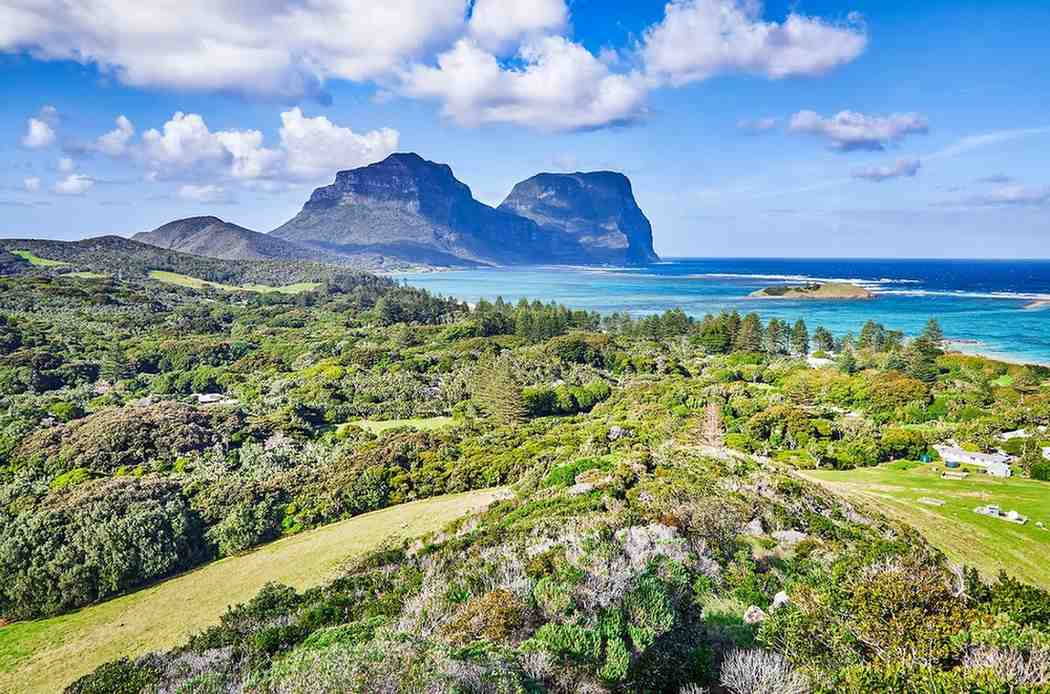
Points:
x=971, y=348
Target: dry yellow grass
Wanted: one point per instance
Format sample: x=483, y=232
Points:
x=47, y=655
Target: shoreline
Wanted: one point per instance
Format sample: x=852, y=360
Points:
x=976, y=349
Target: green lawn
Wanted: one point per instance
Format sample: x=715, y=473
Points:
x=46, y=655
x=379, y=426
x=987, y=543
x=37, y=260
x=196, y=283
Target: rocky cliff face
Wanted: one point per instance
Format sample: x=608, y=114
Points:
x=213, y=238
x=596, y=210
x=415, y=208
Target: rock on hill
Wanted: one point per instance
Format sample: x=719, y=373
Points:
x=596, y=210
x=211, y=237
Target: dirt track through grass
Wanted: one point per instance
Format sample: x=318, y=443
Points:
x=46, y=655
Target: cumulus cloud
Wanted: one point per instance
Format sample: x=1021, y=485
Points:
x=315, y=147
x=848, y=130
x=559, y=85
x=74, y=184
x=499, y=26
x=31, y=184
x=115, y=142
x=698, y=39
x=756, y=126
x=39, y=134
x=283, y=49
x=209, y=193
x=310, y=148
x=902, y=168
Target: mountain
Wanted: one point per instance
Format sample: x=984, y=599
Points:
x=596, y=210
x=417, y=210
x=211, y=237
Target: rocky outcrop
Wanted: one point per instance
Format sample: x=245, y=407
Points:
x=414, y=207
x=597, y=210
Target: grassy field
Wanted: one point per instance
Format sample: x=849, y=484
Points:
x=46, y=655
x=37, y=260
x=195, y=283
x=379, y=426
x=988, y=543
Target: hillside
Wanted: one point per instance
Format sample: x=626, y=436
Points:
x=662, y=534
x=129, y=259
x=46, y=656
x=211, y=237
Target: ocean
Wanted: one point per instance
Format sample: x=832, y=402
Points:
x=981, y=304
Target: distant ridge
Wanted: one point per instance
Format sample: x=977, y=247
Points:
x=212, y=237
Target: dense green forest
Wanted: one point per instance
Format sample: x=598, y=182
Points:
x=659, y=539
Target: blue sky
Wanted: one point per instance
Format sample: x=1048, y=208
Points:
x=858, y=128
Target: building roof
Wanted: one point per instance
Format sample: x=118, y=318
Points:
x=960, y=455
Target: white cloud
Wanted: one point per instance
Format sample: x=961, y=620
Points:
x=698, y=39
x=185, y=141
x=1014, y=195
x=902, y=167
x=849, y=130
x=310, y=148
x=31, y=184
x=74, y=184
x=66, y=165
x=560, y=85
x=249, y=159
x=38, y=134
x=499, y=26
x=115, y=142
x=284, y=49
x=756, y=126
x=315, y=147
x=209, y=193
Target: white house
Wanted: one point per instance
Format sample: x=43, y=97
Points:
x=1046, y=452
x=1019, y=434
x=995, y=464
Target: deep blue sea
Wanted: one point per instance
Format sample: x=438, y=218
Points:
x=979, y=302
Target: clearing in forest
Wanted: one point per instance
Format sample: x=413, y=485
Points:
x=990, y=544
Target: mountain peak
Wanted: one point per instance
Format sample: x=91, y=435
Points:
x=597, y=209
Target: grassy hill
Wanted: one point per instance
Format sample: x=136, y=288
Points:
x=196, y=283
x=965, y=536
x=45, y=655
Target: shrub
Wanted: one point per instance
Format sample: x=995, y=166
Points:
x=760, y=672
